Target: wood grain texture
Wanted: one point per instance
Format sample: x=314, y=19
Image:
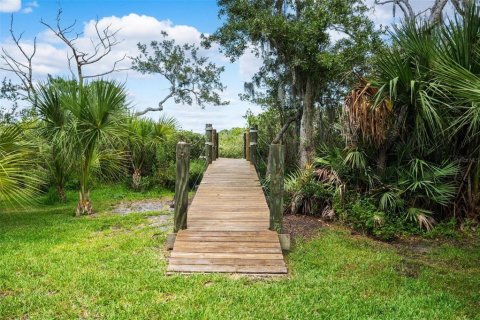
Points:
x=227, y=225
x=181, y=186
x=276, y=163
x=209, y=142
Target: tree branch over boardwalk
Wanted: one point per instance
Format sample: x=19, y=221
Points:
x=192, y=78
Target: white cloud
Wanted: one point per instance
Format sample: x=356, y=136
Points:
x=51, y=56
x=144, y=90
x=10, y=5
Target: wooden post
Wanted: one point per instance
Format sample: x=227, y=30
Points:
x=214, y=141
x=208, y=142
x=247, y=144
x=181, y=186
x=276, y=163
x=218, y=146
x=253, y=145
x=244, y=145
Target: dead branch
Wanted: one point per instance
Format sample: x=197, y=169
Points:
x=160, y=105
x=435, y=10
x=102, y=46
x=404, y=5
x=23, y=70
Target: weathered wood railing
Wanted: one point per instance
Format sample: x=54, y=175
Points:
x=274, y=176
x=182, y=174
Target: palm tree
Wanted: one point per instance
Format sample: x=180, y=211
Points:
x=18, y=179
x=457, y=75
x=54, y=121
x=422, y=106
x=145, y=136
x=95, y=131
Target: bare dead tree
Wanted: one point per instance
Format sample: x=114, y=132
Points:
x=409, y=13
x=461, y=4
x=102, y=45
x=22, y=69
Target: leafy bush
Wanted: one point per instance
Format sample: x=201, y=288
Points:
x=166, y=177
x=444, y=229
x=231, y=143
x=197, y=168
x=51, y=197
x=362, y=214
x=307, y=194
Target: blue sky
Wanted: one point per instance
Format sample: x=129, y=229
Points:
x=141, y=21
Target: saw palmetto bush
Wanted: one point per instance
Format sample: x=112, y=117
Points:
x=417, y=120
x=86, y=127
x=53, y=143
x=19, y=181
x=145, y=137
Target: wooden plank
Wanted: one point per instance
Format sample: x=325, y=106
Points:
x=227, y=228
x=226, y=255
x=227, y=261
x=227, y=249
x=227, y=233
x=228, y=269
x=227, y=244
x=226, y=239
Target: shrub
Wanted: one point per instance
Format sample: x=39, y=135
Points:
x=197, y=168
x=231, y=143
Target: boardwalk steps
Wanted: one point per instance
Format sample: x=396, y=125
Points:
x=227, y=225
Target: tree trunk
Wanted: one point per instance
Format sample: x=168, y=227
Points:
x=84, y=206
x=382, y=159
x=61, y=193
x=475, y=187
x=136, y=179
x=306, y=126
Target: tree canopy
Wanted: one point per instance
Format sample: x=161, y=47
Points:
x=191, y=76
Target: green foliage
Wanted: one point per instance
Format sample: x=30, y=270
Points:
x=231, y=143
x=302, y=63
x=51, y=197
x=444, y=229
x=166, y=176
x=145, y=137
x=307, y=194
x=192, y=77
x=365, y=216
x=85, y=126
x=411, y=129
x=19, y=178
x=197, y=169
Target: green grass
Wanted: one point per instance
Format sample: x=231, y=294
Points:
x=108, y=266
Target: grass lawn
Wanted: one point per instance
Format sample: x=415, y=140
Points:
x=110, y=266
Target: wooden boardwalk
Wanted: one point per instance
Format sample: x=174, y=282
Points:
x=227, y=225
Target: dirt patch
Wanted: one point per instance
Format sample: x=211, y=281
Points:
x=415, y=253
x=301, y=226
x=163, y=222
x=408, y=267
x=414, y=247
x=143, y=206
